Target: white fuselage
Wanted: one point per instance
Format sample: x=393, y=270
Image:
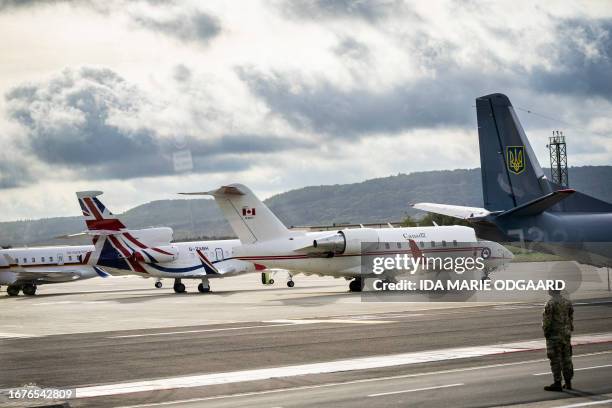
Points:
x=295, y=253
x=188, y=263
x=44, y=265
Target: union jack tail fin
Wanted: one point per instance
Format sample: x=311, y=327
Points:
x=115, y=245
x=97, y=216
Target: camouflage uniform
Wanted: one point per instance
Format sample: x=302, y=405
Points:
x=558, y=324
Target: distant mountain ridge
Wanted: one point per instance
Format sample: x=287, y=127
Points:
x=376, y=200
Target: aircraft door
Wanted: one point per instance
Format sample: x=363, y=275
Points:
x=219, y=254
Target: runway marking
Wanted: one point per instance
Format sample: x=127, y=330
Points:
x=364, y=380
x=580, y=369
x=586, y=404
x=128, y=336
x=15, y=336
x=340, y=321
x=362, y=363
x=415, y=390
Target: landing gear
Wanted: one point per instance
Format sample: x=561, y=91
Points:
x=12, y=290
x=290, y=282
x=158, y=284
x=29, y=289
x=178, y=286
x=204, y=287
x=355, y=285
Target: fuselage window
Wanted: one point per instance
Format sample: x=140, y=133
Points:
x=50, y=259
x=387, y=246
x=454, y=242
x=422, y=244
x=42, y=259
x=433, y=244
x=444, y=244
x=70, y=257
x=33, y=260
x=25, y=260
x=399, y=244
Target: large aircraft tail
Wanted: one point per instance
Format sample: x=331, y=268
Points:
x=250, y=219
x=118, y=247
x=511, y=174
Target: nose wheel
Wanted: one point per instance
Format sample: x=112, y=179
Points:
x=204, y=287
x=158, y=284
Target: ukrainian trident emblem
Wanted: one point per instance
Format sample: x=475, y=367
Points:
x=515, y=159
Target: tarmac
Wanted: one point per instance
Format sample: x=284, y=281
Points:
x=120, y=342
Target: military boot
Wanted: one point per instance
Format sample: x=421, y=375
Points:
x=567, y=385
x=556, y=386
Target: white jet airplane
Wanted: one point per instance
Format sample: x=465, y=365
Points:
x=267, y=242
x=23, y=269
x=118, y=252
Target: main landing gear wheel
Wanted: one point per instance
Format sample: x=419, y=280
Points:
x=12, y=290
x=158, y=284
x=355, y=285
x=290, y=283
x=178, y=286
x=203, y=289
x=271, y=281
x=29, y=290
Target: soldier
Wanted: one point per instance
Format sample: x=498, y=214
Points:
x=558, y=324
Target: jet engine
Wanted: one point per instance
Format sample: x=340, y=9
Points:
x=346, y=242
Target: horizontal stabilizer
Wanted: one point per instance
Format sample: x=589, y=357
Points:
x=456, y=211
x=539, y=205
x=221, y=191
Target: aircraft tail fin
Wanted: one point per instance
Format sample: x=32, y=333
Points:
x=97, y=216
x=116, y=246
x=250, y=219
x=511, y=174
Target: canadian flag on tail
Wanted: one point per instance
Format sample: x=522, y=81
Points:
x=248, y=212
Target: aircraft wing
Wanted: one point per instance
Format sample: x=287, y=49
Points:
x=47, y=276
x=457, y=211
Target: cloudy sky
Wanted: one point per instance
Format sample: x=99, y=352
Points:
x=143, y=99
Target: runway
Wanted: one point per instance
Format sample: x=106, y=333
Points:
x=123, y=343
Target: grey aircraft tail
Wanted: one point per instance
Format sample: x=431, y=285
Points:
x=511, y=175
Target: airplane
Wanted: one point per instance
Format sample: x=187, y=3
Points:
x=267, y=242
x=23, y=269
x=521, y=204
x=118, y=251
